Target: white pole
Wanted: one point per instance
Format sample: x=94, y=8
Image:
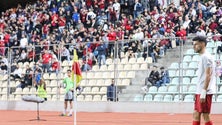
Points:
x=75, y=94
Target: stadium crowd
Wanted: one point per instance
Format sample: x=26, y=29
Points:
x=49, y=30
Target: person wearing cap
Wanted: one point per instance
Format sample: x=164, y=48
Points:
x=206, y=86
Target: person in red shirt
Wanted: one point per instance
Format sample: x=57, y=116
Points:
x=2, y=47
x=111, y=35
x=31, y=55
x=6, y=38
x=62, y=23
x=46, y=59
x=45, y=30
x=213, y=25
x=54, y=20
x=182, y=34
x=55, y=67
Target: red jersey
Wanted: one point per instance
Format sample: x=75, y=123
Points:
x=111, y=36
x=46, y=57
x=31, y=54
x=62, y=21
x=55, y=66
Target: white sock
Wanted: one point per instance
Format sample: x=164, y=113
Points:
x=70, y=112
x=64, y=112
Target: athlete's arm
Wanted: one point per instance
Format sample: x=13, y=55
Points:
x=208, y=73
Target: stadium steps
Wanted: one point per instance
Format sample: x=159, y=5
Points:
x=134, y=88
x=172, y=55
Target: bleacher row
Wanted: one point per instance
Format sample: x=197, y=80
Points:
x=95, y=81
x=186, y=84
x=171, y=98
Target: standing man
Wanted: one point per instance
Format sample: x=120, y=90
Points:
x=206, y=85
x=111, y=92
x=68, y=85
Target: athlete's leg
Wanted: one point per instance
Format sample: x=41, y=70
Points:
x=196, y=118
x=206, y=117
x=65, y=108
x=71, y=107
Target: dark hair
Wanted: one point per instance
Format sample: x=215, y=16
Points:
x=200, y=39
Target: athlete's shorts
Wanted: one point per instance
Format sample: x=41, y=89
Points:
x=203, y=107
x=69, y=96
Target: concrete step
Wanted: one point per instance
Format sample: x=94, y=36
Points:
x=126, y=97
x=138, y=81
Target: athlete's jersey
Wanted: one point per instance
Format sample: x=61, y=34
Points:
x=206, y=60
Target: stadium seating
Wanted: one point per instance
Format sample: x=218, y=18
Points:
x=168, y=98
x=189, y=98
x=148, y=97
x=158, y=98
x=138, y=97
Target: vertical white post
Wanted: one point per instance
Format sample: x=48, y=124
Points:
x=75, y=94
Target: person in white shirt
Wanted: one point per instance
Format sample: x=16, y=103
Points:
x=17, y=74
x=206, y=85
x=116, y=6
x=90, y=15
x=23, y=41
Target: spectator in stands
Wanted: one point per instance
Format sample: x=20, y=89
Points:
x=23, y=56
x=152, y=79
x=112, y=92
x=37, y=74
x=26, y=80
x=154, y=76
x=219, y=49
x=65, y=54
x=46, y=57
x=2, y=47
x=17, y=74
x=23, y=42
x=101, y=58
x=164, y=78
x=31, y=56
x=219, y=69
x=55, y=66
x=3, y=68
x=87, y=64
x=4, y=60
